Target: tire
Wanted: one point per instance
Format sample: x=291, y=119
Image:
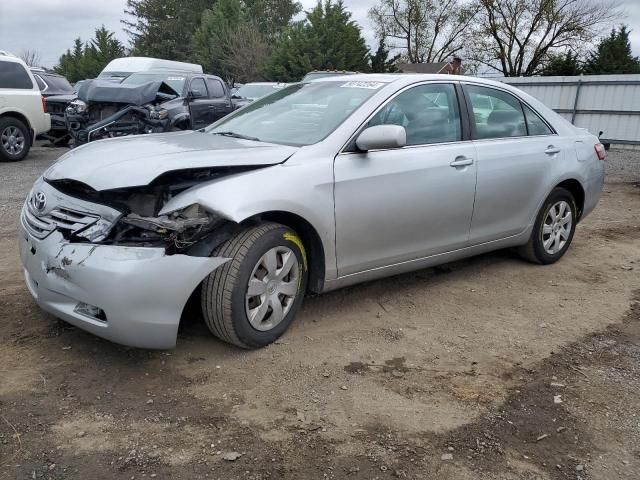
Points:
x=227, y=305
x=551, y=238
x=15, y=140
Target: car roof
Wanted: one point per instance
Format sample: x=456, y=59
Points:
x=10, y=57
x=139, y=64
x=409, y=78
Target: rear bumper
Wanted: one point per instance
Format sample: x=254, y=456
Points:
x=142, y=291
x=593, y=188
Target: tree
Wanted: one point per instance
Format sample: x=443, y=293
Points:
x=426, y=30
x=517, y=37
x=234, y=41
x=613, y=55
x=30, y=57
x=87, y=60
x=245, y=52
x=272, y=17
x=326, y=40
x=562, y=64
x=163, y=28
x=380, y=61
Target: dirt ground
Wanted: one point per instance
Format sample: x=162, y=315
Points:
x=489, y=368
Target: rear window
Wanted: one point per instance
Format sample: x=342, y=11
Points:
x=14, y=75
x=58, y=83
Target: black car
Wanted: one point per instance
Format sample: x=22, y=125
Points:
x=51, y=83
x=147, y=102
x=58, y=92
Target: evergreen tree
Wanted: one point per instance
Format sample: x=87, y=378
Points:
x=163, y=28
x=567, y=64
x=613, y=55
x=326, y=40
x=380, y=61
x=88, y=60
x=234, y=32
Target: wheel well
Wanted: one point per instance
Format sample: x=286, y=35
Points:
x=310, y=239
x=577, y=191
x=20, y=117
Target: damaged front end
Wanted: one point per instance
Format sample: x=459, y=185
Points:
x=107, y=110
x=130, y=216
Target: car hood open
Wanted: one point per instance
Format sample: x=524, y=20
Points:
x=137, y=161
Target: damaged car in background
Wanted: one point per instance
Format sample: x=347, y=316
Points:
x=304, y=190
x=146, y=102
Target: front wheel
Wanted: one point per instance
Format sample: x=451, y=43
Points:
x=553, y=230
x=252, y=299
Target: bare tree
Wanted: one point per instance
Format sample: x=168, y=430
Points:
x=426, y=30
x=244, y=53
x=517, y=37
x=31, y=57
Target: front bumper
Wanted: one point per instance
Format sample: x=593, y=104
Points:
x=142, y=291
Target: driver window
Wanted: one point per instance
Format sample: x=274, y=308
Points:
x=198, y=85
x=429, y=113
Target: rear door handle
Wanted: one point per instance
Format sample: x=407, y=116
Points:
x=461, y=162
x=551, y=150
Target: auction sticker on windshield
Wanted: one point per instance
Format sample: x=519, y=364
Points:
x=369, y=85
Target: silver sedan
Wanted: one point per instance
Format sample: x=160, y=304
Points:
x=314, y=187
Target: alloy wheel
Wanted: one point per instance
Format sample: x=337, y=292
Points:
x=556, y=228
x=12, y=140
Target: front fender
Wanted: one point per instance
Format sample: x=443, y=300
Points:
x=305, y=190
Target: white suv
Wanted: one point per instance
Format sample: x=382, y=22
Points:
x=22, y=109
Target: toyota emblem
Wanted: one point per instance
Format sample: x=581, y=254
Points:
x=39, y=201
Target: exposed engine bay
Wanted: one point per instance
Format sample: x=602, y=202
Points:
x=106, y=109
x=192, y=230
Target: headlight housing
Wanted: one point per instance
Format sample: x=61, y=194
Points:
x=158, y=113
x=96, y=232
x=77, y=106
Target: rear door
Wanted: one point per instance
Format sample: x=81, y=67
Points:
x=220, y=99
x=515, y=149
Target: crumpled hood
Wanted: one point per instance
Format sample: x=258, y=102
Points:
x=138, y=160
x=110, y=92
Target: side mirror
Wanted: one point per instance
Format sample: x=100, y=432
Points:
x=382, y=137
x=195, y=94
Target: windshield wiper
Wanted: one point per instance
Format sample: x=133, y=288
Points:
x=237, y=135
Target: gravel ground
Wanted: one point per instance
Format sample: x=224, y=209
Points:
x=488, y=368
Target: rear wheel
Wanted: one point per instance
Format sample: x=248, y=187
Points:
x=252, y=299
x=553, y=230
x=14, y=139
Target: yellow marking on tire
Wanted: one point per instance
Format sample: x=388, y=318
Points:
x=296, y=240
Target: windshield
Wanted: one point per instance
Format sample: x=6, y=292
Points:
x=175, y=81
x=256, y=91
x=300, y=114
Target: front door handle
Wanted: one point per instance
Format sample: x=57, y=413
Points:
x=551, y=150
x=461, y=161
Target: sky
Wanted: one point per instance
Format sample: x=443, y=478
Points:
x=50, y=26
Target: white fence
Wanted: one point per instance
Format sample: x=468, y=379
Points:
x=600, y=103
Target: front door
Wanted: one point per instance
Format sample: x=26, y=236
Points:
x=403, y=204
x=200, y=108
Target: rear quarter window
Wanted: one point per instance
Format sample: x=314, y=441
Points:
x=14, y=75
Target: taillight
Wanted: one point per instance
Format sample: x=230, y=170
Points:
x=600, y=151
x=44, y=105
